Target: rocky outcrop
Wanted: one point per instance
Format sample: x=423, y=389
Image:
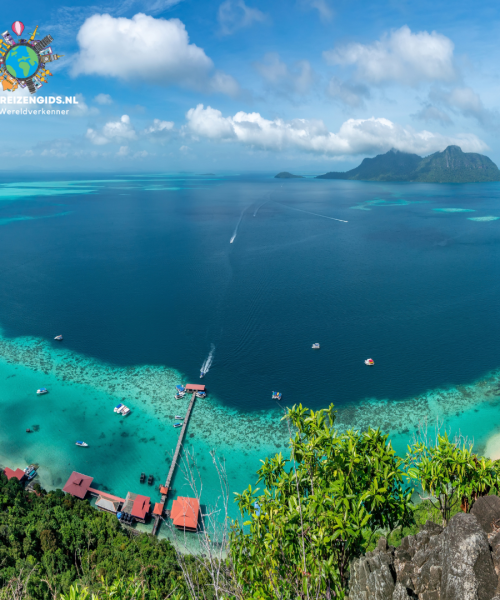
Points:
x=460, y=562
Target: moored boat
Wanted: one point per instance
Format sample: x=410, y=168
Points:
x=177, y=424
x=277, y=395
x=82, y=444
x=180, y=396
x=42, y=391
x=143, y=477
x=121, y=409
x=201, y=394
x=178, y=417
x=30, y=472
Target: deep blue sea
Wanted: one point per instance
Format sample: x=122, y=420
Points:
x=146, y=275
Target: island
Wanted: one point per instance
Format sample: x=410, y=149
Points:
x=287, y=175
x=452, y=165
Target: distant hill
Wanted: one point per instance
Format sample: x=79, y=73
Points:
x=450, y=166
x=287, y=175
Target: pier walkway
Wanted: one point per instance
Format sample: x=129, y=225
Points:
x=166, y=488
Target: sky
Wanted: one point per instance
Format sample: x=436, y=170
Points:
x=307, y=86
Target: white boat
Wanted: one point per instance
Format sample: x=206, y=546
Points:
x=179, y=396
x=315, y=346
x=370, y=362
x=201, y=394
x=82, y=444
x=121, y=409
x=58, y=338
x=42, y=391
x=178, y=417
x=177, y=424
x=30, y=472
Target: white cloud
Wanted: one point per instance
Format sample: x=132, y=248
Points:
x=355, y=136
x=113, y=131
x=141, y=154
x=276, y=73
x=103, y=99
x=465, y=101
x=159, y=126
x=324, y=10
x=235, y=14
x=400, y=56
x=145, y=49
x=348, y=92
x=82, y=109
x=429, y=112
x=123, y=151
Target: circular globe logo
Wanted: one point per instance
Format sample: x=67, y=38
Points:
x=22, y=61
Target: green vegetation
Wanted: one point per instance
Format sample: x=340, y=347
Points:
x=52, y=540
x=450, y=166
x=287, y=175
x=318, y=509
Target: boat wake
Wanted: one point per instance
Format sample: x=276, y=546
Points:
x=205, y=367
x=315, y=214
x=259, y=207
x=236, y=228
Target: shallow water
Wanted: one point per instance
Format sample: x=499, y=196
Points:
x=144, y=275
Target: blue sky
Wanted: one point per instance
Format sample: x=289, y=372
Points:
x=303, y=85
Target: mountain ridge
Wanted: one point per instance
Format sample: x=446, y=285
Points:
x=452, y=165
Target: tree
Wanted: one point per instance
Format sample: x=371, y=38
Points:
x=449, y=474
x=316, y=508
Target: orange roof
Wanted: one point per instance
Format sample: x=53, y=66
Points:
x=184, y=513
x=163, y=489
x=78, y=485
x=195, y=387
x=158, y=509
x=10, y=474
x=141, y=507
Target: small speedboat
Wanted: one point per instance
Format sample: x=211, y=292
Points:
x=121, y=409
x=143, y=477
x=203, y=373
x=42, y=391
x=201, y=394
x=151, y=480
x=178, y=417
x=30, y=472
x=277, y=395
x=315, y=346
x=28, y=430
x=82, y=444
x=370, y=362
x=59, y=338
x=177, y=424
x=180, y=396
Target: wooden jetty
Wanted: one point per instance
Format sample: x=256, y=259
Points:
x=165, y=489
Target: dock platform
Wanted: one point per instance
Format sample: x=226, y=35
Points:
x=165, y=489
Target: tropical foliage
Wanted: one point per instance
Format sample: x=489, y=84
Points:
x=311, y=519
x=317, y=509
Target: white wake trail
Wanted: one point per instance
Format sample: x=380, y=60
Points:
x=308, y=212
x=205, y=367
x=236, y=228
x=259, y=207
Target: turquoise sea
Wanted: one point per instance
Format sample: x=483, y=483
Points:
x=148, y=276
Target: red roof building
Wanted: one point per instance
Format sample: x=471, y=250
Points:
x=158, y=509
x=10, y=474
x=140, y=507
x=78, y=485
x=194, y=387
x=185, y=512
